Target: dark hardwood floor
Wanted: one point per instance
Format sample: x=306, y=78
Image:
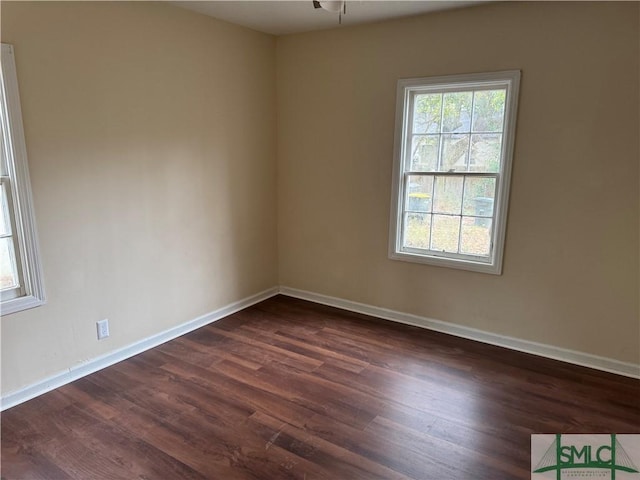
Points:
x=293, y=390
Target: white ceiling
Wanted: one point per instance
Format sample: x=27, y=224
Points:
x=295, y=16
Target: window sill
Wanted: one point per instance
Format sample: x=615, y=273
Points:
x=491, y=268
x=19, y=304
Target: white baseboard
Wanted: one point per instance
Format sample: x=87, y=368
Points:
x=73, y=373
x=549, y=351
x=19, y=396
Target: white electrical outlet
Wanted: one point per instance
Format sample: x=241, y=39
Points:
x=103, y=328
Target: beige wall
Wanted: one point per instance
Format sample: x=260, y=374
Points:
x=571, y=261
x=150, y=132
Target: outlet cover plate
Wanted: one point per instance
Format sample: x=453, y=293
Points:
x=103, y=328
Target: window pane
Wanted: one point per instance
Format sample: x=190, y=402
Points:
x=427, y=111
x=5, y=223
x=457, y=112
x=475, y=237
x=485, y=153
x=445, y=233
x=419, y=191
x=488, y=111
x=424, y=153
x=455, y=151
x=8, y=271
x=479, y=195
x=417, y=230
x=448, y=195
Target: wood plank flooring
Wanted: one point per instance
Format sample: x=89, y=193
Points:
x=293, y=390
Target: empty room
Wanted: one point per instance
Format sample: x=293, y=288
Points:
x=320, y=240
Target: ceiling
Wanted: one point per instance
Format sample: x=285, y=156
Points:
x=296, y=16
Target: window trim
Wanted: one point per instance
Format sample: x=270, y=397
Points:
x=405, y=87
x=31, y=292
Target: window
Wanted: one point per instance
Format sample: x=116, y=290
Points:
x=20, y=274
x=453, y=149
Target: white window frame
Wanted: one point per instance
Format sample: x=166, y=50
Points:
x=405, y=90
x=30, y=292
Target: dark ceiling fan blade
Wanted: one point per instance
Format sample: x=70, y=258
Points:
x=316, y=4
